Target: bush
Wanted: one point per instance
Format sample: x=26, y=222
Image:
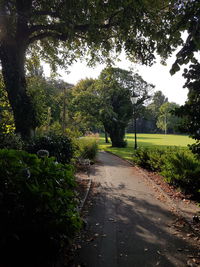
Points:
x=150, y=158
x=179, y=166
x=37, y=206
x=182, y=169
x=87, y=148
x=10, y=141
x=59, y=146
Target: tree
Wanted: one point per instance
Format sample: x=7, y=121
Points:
x=59, y=31
x=153, y=108
x=114, y=88
x=190, y=112
x=185, y=17
x=106, y=101
x=84, y=106
x=167, y=121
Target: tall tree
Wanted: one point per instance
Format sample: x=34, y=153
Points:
x=153, y=109
x=84, y=106
x=167, y=121
x=61, y=30
x=114, y=87
x=190, y=112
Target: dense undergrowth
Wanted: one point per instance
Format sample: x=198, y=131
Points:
x=179, y=166
x=38, y=200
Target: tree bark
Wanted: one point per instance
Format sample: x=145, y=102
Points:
x=13, y=59
x=117, y=137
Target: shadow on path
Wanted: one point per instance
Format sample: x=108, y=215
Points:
x=127, y=225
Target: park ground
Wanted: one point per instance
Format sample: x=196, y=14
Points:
x=129, y=223
x=145, y=140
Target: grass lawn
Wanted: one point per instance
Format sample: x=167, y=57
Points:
x=145, y=140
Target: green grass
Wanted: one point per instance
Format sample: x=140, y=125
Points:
x=145, y=140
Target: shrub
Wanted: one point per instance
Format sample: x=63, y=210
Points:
x=10, y=141
x=182, y=169
x=179, y=166
x=59, y=146
x=150, y=158
x=87, y=148
x=37, y=206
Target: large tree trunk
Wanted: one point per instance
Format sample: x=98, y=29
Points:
x=117, y=136
x=12, y=59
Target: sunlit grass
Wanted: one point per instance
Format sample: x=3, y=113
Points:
x=145, y=140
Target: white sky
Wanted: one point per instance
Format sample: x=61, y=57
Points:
x=171, y=86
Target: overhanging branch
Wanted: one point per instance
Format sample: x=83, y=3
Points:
x=59, y=36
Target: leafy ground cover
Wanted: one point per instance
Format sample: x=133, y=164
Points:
x=145, y=140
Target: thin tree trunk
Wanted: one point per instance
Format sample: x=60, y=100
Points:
x=12, y=59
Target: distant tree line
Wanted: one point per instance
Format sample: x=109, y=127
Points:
x=157, y=116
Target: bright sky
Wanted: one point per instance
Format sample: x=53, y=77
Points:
x=171, y=86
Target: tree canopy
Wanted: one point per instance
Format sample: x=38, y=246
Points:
x=59, y=31
x=167, y=121
x=107, y=100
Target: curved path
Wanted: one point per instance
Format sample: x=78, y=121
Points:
x=128, y=226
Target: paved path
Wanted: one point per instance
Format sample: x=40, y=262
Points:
x=127, y=225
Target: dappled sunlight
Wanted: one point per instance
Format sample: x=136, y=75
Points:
x=137, y=227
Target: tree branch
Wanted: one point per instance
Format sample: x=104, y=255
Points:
x=60, y=36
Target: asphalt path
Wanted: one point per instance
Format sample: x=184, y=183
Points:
x=127, y=224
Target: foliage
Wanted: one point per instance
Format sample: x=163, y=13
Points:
x=114, y=87
x=106, y=100
x=6, y=114
x=190, y=112
x=59, y=146
x=88, y=148
x=186, y=15
x=50, y=99
x=37, y=91
x=167, y=121
x=182, y=169
x=11, y=141
x=59, y=32
x=153, y=158
x=178, y=166
x=37, y=206
x=84, y=106
x=152, y=110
